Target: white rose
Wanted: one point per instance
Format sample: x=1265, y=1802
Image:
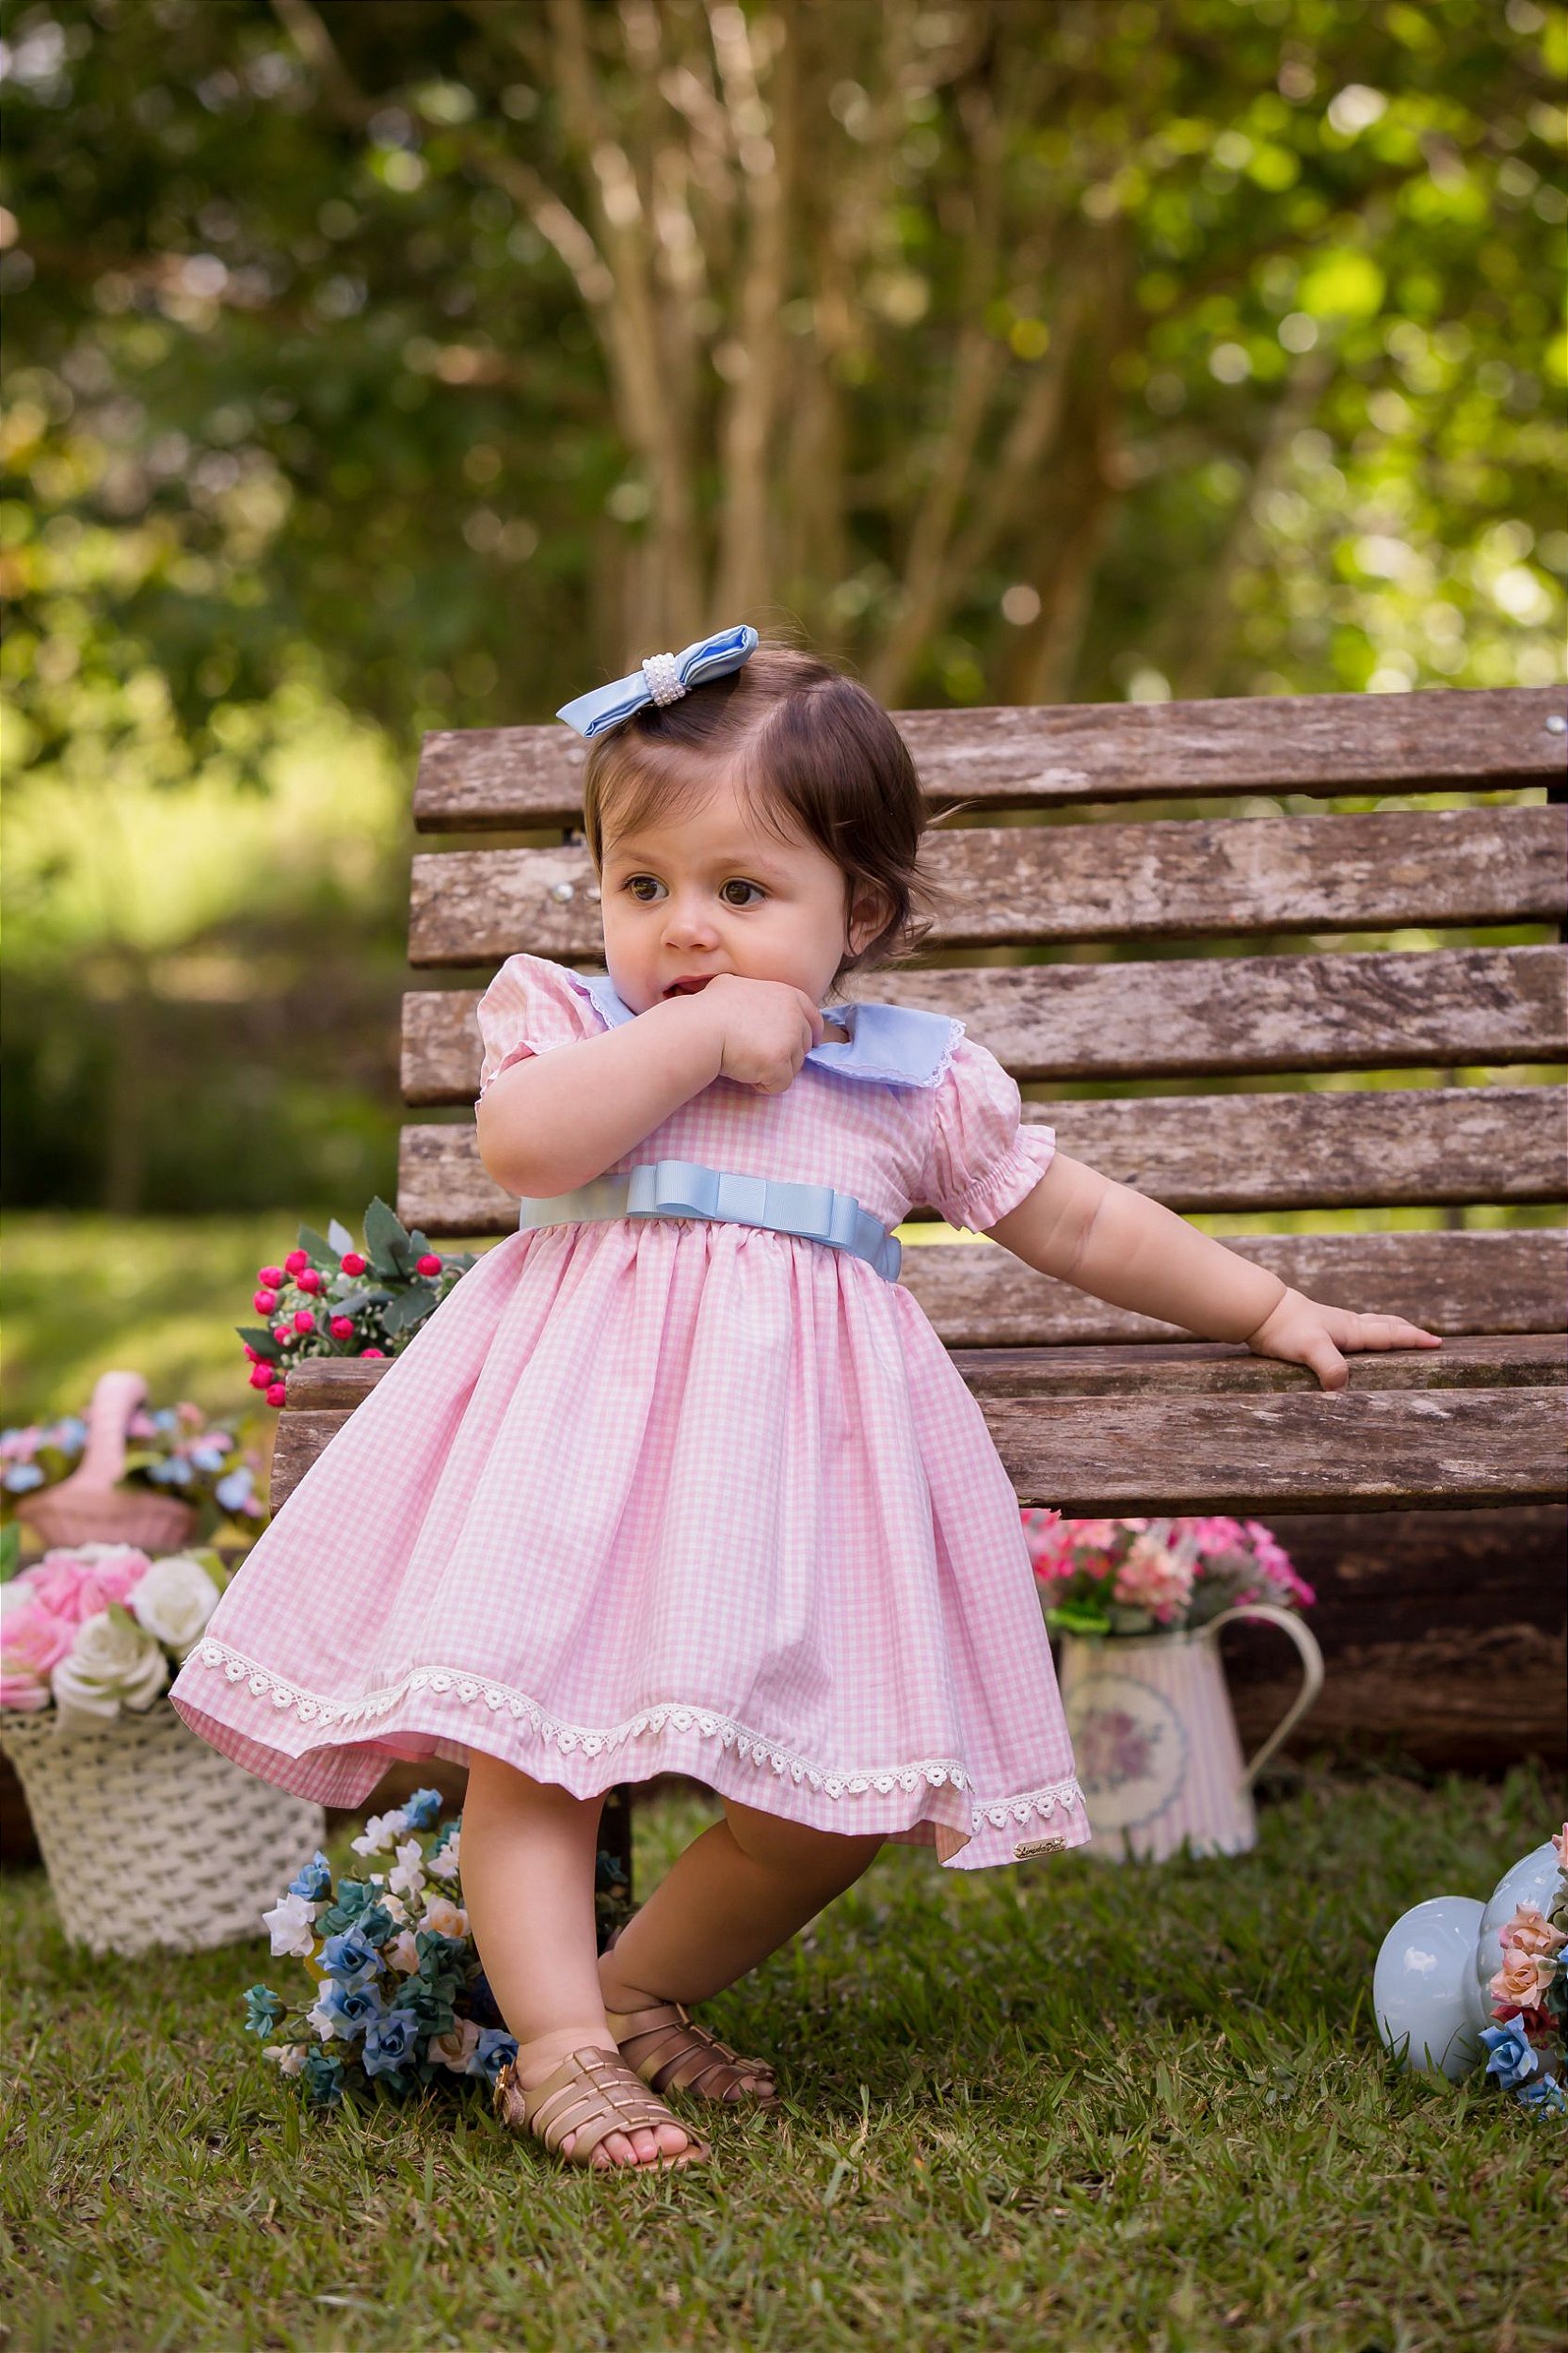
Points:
x=113, y=1663
x=379, y=1833
x=289, y=1925
x=174, y=1600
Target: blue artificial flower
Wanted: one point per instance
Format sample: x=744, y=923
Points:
x=234, y=1491
x=374, y=1925
x=166, y=1419
x=355, y=1897
x=491, y=2051
x=390, y=2042
x=422, y=1809
x=314, y=1880
x=70, y=1431
x=322, y=2076
x=20, y=1477
x=1512, y=2060
x=348, y=2011
x=1545, y=2096
x=208, y=1457
x=348, y=1960
x=262, y=2009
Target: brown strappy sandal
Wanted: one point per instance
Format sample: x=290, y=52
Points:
x=591, y=2094
x=678, y=2055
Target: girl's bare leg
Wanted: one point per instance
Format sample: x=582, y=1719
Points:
x=528, y=1884
x=737, y=1893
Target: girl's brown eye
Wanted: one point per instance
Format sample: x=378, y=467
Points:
x=737, y=885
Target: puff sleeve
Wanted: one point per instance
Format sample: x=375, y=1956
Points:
x=529, y=1007
x=980, y=1160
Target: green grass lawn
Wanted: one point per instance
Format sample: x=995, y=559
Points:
x=1067, y=2105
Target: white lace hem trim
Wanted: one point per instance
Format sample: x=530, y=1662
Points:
x=450, y=1683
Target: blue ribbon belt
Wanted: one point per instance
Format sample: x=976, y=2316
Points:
x=687, y=1189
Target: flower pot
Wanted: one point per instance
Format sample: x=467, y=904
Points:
x=90, y=1507
x=150, y=1838
x=1159, y=1761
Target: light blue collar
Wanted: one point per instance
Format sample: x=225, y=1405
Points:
x=892, y=1045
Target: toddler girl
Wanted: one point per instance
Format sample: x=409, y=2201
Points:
x=678, y=1477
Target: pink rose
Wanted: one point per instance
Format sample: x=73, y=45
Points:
x=1518, y=1980
x=1154, y=1580
x=1530, y=1931
x=32, y=1643
x=75, y=1583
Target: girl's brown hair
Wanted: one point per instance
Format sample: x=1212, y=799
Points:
x=818, y=756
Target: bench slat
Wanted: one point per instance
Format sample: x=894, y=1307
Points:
x=1009, y=886
x=979, y=1295
x=1395, y=1147
x=1367, y=1449
x=1466, y=739
x=1510, y=1360
x=1195, y=1367
x=1298, y=1453
x=1188, y=1017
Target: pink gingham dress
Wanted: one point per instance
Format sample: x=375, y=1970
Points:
x=672, y=1494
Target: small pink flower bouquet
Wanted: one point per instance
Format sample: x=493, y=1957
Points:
x=91, y=1629
x=329, y=1297
x=1155, y=1576
x=1528, y=2048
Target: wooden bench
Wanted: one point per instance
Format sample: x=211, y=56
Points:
x=1204, y=995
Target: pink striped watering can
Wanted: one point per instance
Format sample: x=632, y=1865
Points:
x=1155, y=1739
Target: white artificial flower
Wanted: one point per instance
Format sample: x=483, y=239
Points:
x=402, y=1953
x=174, y=1600
x=444, y=1861
x=113, y=1663
x=455, y=2048
x=288, y=2055
x=326, y=2027
x=408, y=1878
x=380, y=1833
x=289, y=1924
x=445, y=1917
x=394, y=1906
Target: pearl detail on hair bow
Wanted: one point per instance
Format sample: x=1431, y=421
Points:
x=663, y=678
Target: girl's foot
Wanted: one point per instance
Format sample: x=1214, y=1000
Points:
x=590, y=2109
x=587, y=2107
x=663, y=2044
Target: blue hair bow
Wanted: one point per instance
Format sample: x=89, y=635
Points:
x=663, y=678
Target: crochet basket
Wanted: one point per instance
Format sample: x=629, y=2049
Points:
x=149, y=1838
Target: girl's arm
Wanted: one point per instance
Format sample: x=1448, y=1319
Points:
x=558, y=1120
x=1117, y=1245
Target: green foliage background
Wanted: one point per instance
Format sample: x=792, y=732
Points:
x=380, y=367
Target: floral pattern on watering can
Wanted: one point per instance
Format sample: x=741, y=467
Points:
x=1159, y=1760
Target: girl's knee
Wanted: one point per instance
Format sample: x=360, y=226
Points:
x=825, y=1857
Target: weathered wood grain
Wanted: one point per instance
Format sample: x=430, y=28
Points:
x=1453, y=1702
x=1186, y=1368
x=1365, y=1450
x=1039, y=884
x=1388, y=1149
x=1189, y=1017
x=1293, y=1451
x=978, y=1295
x=490, y=778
